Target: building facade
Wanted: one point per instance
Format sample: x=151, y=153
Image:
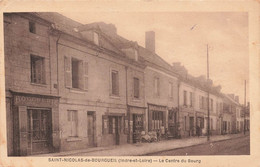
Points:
x=74, y=86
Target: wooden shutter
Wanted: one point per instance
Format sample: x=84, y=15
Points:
x=67, y=71
x=81, y=75
x=22, y=112
x=85, y=75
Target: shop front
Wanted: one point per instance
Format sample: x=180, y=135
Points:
x=173, y=125
x=36, y=126
x=113, y=132
x=156, y=117
x=136, y=122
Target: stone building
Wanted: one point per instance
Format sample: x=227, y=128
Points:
x=74, y=86
x=193, y=104
x=67, y=85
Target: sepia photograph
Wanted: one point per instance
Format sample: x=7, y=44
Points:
x=117, y=86
x=85, y=84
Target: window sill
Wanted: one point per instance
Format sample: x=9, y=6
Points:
x=114, y=97
x=71, y=139
x=39, y=84
x=79, y=91
x=136, y=99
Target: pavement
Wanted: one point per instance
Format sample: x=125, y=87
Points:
x=143, y=148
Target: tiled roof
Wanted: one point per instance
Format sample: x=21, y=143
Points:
x=74, y=28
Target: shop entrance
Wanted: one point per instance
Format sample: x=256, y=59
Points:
x=137, y=127
x=191, y=126
x=172, y=124
x=115, y=128
x=39, y=130
x=199, y=125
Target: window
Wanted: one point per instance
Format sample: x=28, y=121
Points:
x=156, y=86
x=191, y=99
x=201, y=102
x=37, y=70
x=157, y=119
x=115, y=83
x=75, y=73
x=32, y=27
x=73, y=123
x=211, y=104
x=96, y=40
x=115, y=124
x=185, y=98
x=170, y=90
x=136, y=88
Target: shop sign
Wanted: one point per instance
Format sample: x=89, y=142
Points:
x=157, y=108
x=28, y=100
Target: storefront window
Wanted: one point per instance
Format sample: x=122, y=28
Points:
x=157, y=119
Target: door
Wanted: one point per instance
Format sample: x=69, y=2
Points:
x=39, y=130
x=117, y=137
x=137, y=126
x=90, y=129
x=191, y=126
x=172, y=124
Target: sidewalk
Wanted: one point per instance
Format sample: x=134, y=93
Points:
x=143, y=148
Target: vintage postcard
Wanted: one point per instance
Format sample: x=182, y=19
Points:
x=129, y=83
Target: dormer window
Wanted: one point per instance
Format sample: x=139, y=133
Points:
x=136, y=55
x=96, y=39
x=32, y=27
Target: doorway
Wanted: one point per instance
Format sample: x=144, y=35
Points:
x=137, y=127
x=191, y=126
x=115, y=128
x=91, y=129
x=39, y=124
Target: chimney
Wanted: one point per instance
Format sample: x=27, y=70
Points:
x=150, y=41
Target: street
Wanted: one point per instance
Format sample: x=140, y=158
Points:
x=236, y=146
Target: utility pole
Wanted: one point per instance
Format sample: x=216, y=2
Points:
x=245, y=110
x=208, y=136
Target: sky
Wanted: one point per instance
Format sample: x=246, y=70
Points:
x=183, y=37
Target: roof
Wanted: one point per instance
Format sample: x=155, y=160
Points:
x=108, y=32
x=229, y=99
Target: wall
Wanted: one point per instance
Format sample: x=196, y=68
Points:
x=19, y=44
x=96, y=98
x=163, y=98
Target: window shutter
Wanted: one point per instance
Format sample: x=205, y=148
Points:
x=67, y=70
x=81, y=71
x=85, y=76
